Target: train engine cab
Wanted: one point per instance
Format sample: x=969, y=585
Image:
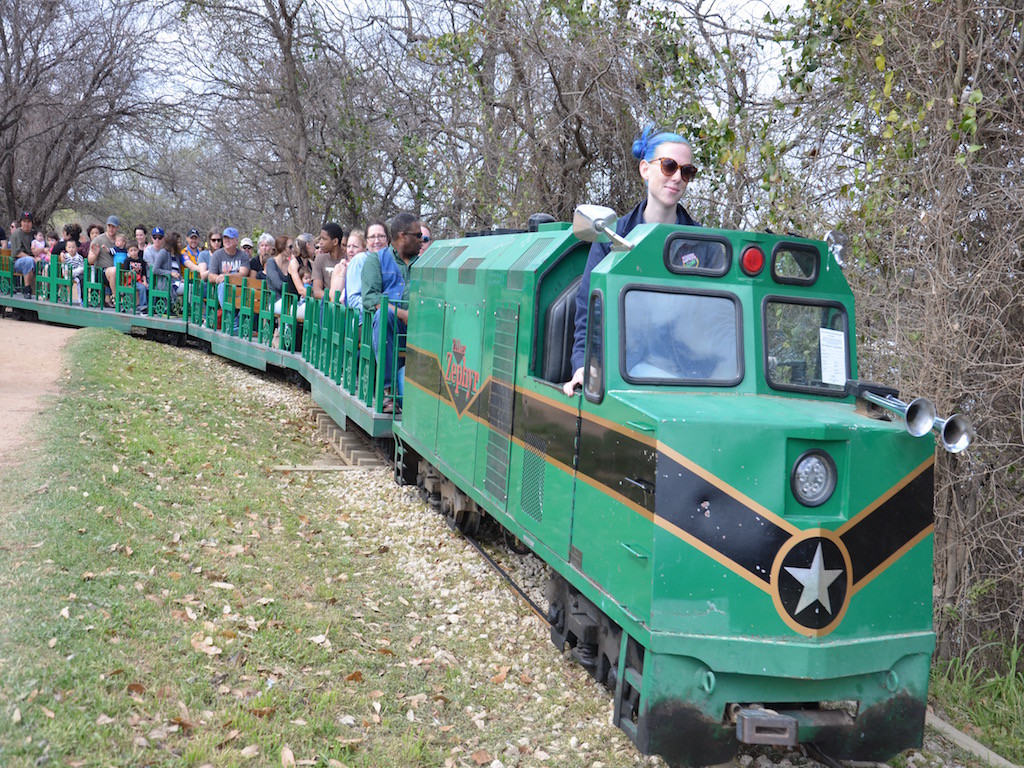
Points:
x=741, y=538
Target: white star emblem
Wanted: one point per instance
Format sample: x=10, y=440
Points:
x=816, y=580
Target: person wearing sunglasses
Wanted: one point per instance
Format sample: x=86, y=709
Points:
x=386, y=273
x=666, y=166
x=214, y=240
x=162, y=264
x=425, y=232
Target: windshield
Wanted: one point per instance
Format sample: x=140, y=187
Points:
x=806, y=346
x=680, y=338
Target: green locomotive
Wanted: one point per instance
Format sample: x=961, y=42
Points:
x=742, y=544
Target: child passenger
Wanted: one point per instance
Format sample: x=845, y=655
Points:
x=120, y=249
x=74, y=267
x=137, y=264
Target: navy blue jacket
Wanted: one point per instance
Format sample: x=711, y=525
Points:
x=597, y=253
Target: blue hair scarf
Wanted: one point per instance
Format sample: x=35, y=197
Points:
x=647, y=144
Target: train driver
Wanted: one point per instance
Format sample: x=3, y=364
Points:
x=666, y=166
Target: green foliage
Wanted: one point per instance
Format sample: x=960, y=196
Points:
x=984, y=700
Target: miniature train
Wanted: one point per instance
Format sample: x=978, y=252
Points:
x=740, y=533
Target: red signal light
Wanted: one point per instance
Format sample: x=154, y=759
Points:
x=752, y=260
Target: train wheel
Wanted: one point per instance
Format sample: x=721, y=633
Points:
x=514, y=544
x=469, y=522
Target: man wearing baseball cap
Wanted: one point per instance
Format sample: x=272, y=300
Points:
x=162, y=263
x=190, y=254
x=21, y=250
x=104, y=261
x=227, y=260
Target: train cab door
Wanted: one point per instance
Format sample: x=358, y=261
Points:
x=461, y=363
x=612, y=539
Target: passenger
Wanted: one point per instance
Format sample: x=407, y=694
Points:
x=21, y=250
x=283, y=276
x=190, y=254
x=277, y=268
x=70, y=233
x=248, y=250
x=353, y=245
x=172, y=243
x=140, y=238
x=356, y=244
x=104, y=260
x=39, y=250
x=173, y=246
x=666, y=166
x=425, y=233
x=332, y=251
x=87, y=237
x=264, y=253
x=120, y=249
x=162, y=266
x=386, y=273
x=137, y=264
x=213, y=243
x=305, y=250
x=51, y=244
x=377, y=236
x=74, y=267
x=227, y=260
x=349, y=280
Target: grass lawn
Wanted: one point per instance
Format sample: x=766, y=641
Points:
x=166, y=598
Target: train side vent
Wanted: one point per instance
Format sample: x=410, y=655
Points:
x=532, y=500
x=514, y=281
x=441, y=264
x=500, y=402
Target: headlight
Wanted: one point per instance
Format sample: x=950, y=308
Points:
x=814, y=478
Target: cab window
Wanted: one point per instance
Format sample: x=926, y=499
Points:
x=795, y=264
x=690, y=254
x=593, y=380
x=806, y=346
x=675, y=337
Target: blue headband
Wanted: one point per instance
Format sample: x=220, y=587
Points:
x=645, y=146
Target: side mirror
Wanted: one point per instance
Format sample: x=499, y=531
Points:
x=596, y=224
x=837, y=242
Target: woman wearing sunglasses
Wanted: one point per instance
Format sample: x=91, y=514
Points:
x=666, y=166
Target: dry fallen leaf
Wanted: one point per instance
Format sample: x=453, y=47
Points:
x=48, y=712
x=480, y=757
x=204, y=644
x=52, y=642
x=287, y=758
x=104, y=720
x=16, y=717
x=222, y=585
x=138, y=688
x=500, y=677
x=355, y=677
x=251, y=751
x=232, y=735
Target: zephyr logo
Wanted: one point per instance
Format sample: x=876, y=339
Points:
x=463, y=382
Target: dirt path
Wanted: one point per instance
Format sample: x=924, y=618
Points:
x=30, y=364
